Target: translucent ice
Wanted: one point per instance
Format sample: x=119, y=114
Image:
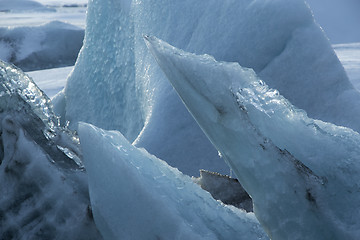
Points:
x=301, y=173
x=43, y=184
x=135, y=195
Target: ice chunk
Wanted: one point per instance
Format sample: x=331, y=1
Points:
x=301, y=173
x=135, y=195
x=43, y=185
x=29, y=107
x=116, y=83
x=55, y=44
x=101, y=89
x=278, y=39
x=38, y=200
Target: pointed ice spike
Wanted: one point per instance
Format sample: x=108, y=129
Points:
x=301, y=173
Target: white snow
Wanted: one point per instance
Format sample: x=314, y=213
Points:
x=301, y=173
x=51, y=81
x=55, y=44
x=135, y=195
x=22, y=5
x=20, y=13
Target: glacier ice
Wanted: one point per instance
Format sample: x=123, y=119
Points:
x=43, y=184
x=302, y=174
x=135, y=195
x=116, y=78
x=101, y=88
x=55, y=44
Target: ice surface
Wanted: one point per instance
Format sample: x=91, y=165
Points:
x=39, y=200
x=30, y=108
x=301, y=173
x=116, y=78
x=135, y=195
x=101, y=89
x=55, y=44
x=42, y=181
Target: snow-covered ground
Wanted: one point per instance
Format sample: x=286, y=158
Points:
x=349, y=55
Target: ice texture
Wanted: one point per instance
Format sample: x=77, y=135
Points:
x=116, y=78
x=101, y=88
x=43, y=184
x=301, y=173
x=55, y=44
x=135, y=195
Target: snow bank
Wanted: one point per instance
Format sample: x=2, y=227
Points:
x=55, y=44
x=301, y=173
x=23, y=5
x=135, y=195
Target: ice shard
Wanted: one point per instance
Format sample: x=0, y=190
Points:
x=302, y=174
x=43, y=185
x=135, y=195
